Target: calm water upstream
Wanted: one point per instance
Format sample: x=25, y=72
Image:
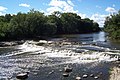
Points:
x=45, y=60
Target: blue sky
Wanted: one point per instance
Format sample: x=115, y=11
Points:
x=93, y=9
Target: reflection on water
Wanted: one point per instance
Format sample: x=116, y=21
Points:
x=92, y=37
x=86, y=53
x=99, y=37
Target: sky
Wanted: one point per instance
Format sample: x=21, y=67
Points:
x=96, y=10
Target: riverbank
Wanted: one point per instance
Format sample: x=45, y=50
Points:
x=115, y=71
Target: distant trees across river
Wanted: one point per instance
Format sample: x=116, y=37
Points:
x=34, y=24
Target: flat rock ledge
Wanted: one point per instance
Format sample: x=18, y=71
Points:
x=12, y=43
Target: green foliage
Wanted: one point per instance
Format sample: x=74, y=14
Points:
x=70, y=22
x=18, y=26
x=112, y=26
x=35, y=24
x=49, y=29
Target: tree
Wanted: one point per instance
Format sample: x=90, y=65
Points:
x=70, y=22
x=55, y=18
x=112, y=25
x=8, y=17
x=35, y=23
x=18, y=26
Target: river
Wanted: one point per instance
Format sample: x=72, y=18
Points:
x=45, y=59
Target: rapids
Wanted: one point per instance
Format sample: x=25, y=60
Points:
x=34, y=56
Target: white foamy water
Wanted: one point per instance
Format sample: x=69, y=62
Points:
x=29, y=47
x=67, y=52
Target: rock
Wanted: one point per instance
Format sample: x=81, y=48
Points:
x=118, y=58
x=60, y=70
x=96, y=77
x=68, y=69
x=91, y=75
x=105, y=40
x=65, y=74
x=22, y=75
x=41, y=62
x=100, y=73
x=94, y=44
x=78, y=78
x=51, y=72
x=118, y=66
x=20, y=42
x=40, y=44
x=35, y=73
x=11, y=43
x=85, y=76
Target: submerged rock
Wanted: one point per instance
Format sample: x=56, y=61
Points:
x=65, y=74
x=68, y=69
x=78, y=78
x=85, y=76
x=51, y=72
x=91, y=75
x=40, y=44
x=35, y=73
x=4, y=44
x=60, y=70
x=22, y=75
x=11, y=43
x=118, y=58
x=100, y=73
x=96, y=77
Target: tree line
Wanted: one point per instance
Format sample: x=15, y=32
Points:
x=112, y=25
x=34, y=24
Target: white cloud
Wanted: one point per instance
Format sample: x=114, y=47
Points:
x=52, y=9
x=110, y=10
x=99, y=18
x=1, y=13
x=82, y=15
x=68, y=6
x=2, y=10
x=24, y=5
x=70, y=2
x=57, y=3
x=62, y=6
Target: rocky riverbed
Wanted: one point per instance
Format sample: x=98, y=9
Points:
x=47, y=59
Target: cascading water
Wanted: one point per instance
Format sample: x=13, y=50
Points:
x=71, y=52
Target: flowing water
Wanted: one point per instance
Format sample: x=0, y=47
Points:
x=46, y=59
